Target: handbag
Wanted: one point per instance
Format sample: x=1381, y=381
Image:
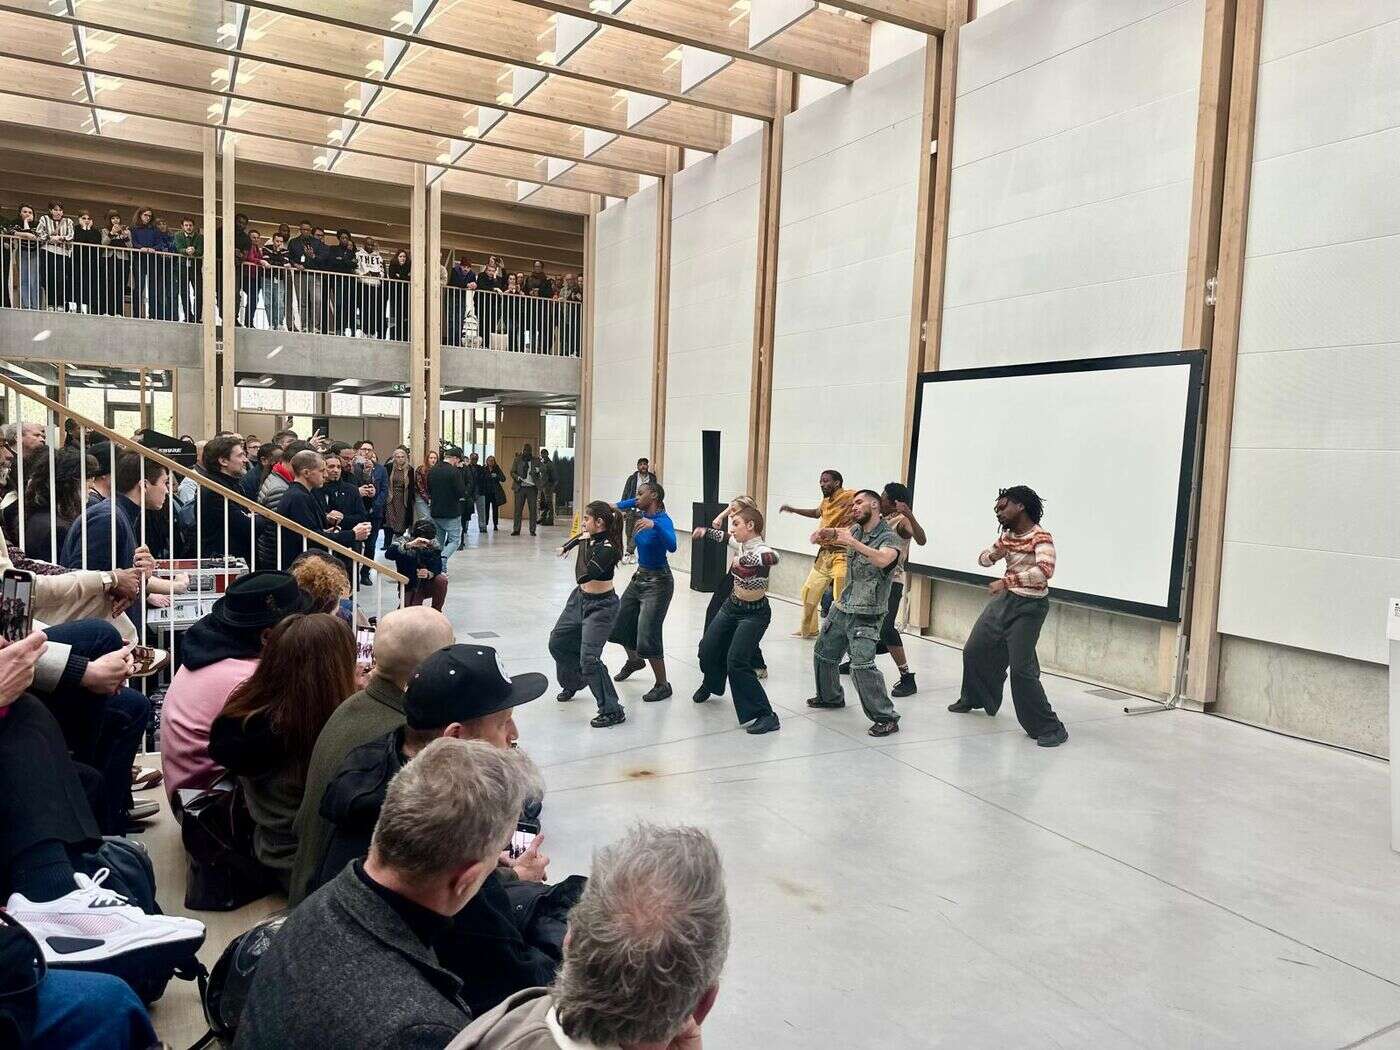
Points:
x=22, y=970
x=217, y=831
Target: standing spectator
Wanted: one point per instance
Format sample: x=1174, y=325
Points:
x=302, y=253
x=525, y=479
x=339, y=495
x=87, y=267
x=398, y=503
x=419, y=557
x=269, y=454
x=189, y=248
x=494, y=493
x=117, y=264
x=224, y=460
x=446, y=490
x=461, y=280
x=469, y=473
x=55, y=233
x=513, y=304
x=276, y=267
x=341, y=266
x=268, y=727
x=302, y=507
x=400, y=273
x=642, y=476
x=539, y=285
x=548, y=480
x=167, y=274
x=420, y=485
x=570, y=315
x=369, y=264
x=26, y=233
x=487, y=299
x=145, y=239
x=251, y=278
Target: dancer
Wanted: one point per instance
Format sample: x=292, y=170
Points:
x=648, y=596
x=894, y=508
x=726, y=583
x=577, y=641
x=854, y=624
x=730, y=645
x=1009, y=627
x=829, y=569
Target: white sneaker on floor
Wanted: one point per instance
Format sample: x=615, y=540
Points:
x=91, y=924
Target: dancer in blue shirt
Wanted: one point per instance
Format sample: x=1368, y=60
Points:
x=648, y=596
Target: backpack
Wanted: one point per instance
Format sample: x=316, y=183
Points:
x=130, y=873
x=225, y=993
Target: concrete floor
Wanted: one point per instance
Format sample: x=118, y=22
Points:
x=1172, y=881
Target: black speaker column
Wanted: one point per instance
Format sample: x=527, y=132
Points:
x=708, y=560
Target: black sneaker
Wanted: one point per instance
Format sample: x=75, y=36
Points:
x=765, y=724
x=658, y=692
x=630, y=668
x=816, y=701
x=613, y=718
x=883, y=729
x=963, y=706
x=700, y=695
x=565, y=695
x=1054, y=738
x=845, y=668
x=906, y=685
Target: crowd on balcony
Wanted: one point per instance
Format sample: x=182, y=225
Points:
x=311, y=280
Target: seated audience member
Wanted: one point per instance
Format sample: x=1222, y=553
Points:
x=46, y=824
x=418, y=556
x=325, y=581
x=458, y=692
x=355, y=963
x=403, y=640
x=80, y=1009
x=224, y=461
x=50, y=510
x=643, y=956
x=269, y=725
x=217, y=654
x=301, y=506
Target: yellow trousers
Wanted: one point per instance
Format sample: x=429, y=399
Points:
x=829, y=568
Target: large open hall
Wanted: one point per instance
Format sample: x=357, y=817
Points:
x=845, y=524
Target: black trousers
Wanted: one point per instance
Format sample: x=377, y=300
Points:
x=577, y=641
x=730, y=648
x=1005, y=635
x=526, y=495
x=41, y=794
x=643, y=611
x=717, y=600
x=889, y=633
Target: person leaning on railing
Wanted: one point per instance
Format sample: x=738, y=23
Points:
x=116, y=240
x=87, y=243
x=55, y=233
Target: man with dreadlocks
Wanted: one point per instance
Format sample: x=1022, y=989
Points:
x=1009, y=627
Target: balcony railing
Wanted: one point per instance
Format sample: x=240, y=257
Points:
x=99, y=279
x=507, y=321
x=285, y=298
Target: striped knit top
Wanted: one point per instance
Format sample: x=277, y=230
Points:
x=1030, y=561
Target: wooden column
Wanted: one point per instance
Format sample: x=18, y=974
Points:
x=661, y=325
x=209, y=275
x=942, y=182
x=417, y=298
x=433, y=383
x=225, y=416
x=1219, y=333
x=766, y=291
x=583, y=432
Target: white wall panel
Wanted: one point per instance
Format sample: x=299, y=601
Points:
x=845, y=275
x=625, y=315
x=1072, y=175
x=714, y=256
x=1311, y=549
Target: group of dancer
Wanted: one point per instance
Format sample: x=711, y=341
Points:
x=863, y=540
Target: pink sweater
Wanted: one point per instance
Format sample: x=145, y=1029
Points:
x=1030, y=561
x=192, y=702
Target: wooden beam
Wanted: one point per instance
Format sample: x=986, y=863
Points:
x=923, y=239
x=927, y=16
x=417, y=326
x=614, y=81
x=942, y=181
x=226, y=383
x=661, y=322
x=583, y=436
x=434, y=312
x=617, y=127
x=209, y=275
x=766, y=292
x=1203, y=645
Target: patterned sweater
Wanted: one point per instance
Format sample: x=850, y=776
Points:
x=1030, y=561
x=749, y=564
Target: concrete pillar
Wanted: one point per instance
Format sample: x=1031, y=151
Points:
x=190, y=401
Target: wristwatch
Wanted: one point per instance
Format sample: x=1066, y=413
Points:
x=109, y=582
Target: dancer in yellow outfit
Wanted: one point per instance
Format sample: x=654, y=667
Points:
x=834, y=512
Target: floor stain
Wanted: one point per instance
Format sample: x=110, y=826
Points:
x=640, y=774
x=802, y=893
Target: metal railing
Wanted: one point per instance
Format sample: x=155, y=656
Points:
x=508, y=321
x=99, y=279
x=34, y=493
x=291, y=299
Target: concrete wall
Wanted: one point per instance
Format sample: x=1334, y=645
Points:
x=307, y=354
x=845, y=277
x=118, y=342
x=491, y=370
x=1312, y=551
x=714, y=256
x=624, y=283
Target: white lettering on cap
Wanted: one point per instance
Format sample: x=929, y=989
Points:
x=501, y=667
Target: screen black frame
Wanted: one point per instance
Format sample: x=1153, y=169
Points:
x=1195, y=360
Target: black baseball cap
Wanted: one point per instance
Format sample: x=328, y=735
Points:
x=462, y=682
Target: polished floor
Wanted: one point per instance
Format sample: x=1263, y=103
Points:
x=1167, y=881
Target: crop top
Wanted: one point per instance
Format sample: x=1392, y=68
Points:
x=600, y=557
x=749, y=564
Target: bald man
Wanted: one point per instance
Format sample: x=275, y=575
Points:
x=404, y=639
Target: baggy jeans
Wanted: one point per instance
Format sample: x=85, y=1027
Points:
x=577, y=641
x=858, y=635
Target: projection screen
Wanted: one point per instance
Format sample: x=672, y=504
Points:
x=1108, y=443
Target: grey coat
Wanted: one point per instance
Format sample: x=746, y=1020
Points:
x=346, y=971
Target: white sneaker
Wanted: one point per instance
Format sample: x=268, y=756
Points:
x=91, y=924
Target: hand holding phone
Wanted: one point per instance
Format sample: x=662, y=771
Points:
x=16, y=604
